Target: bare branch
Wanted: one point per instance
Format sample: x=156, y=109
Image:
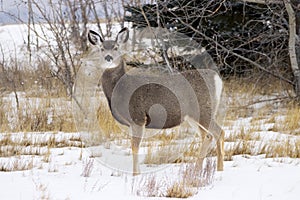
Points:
x=264, y=1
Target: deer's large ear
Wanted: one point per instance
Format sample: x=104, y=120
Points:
x=94, y=37
x=123, y=35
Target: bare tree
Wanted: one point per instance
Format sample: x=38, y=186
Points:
x=294, y=42
x=293, y=9
x=97, y=19
x=242, y=37
x=56, y=34
x=64, y=30
x=78, y=24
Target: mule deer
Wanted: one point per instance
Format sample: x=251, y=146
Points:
x=159, y=100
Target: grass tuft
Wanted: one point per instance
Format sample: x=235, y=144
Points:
x=15, y=164
x=290, y=124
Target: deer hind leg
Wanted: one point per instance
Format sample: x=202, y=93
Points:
x=136, y=132
x=220, y=151
x=207, y=139
x=218, y=134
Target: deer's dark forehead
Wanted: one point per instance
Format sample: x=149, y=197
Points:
x=109, y=44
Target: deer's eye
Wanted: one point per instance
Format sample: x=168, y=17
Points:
x=115, y=48
x=101, y=49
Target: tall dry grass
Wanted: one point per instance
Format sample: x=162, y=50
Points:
x=36, y=114
x=289, y=122
x=267, y=104
x=32, y=99
x=110, y=128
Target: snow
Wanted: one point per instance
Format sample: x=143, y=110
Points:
x=243, y=178
x=256, y=178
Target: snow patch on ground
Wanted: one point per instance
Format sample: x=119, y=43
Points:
x=251, y=177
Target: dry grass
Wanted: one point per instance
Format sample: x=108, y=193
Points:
x=290, y=123
x=18, y=151
x=36, y=115
x=250, y=141
x=247, y=100
x=36, y=82
x=163, y=154
x=110, y=128
x=239, y=148
x=242, y=95
x=172, y=146
x=288, y=148
x=242, y=140
x=273, y=148
x=33, y=100
x=16, y=164
x=249, y=87
x=243, y=134
x=179, y=190
x=35, y=144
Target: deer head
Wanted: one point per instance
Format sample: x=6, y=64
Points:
x=110, y=54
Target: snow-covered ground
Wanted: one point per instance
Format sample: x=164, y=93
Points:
x=63, y=177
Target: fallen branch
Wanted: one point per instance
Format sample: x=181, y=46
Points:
x=260, y=101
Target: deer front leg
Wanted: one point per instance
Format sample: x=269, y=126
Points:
x=220, y=151
x=135, y=145
x=136, y=137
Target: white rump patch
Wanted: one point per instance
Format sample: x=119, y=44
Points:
x=218, y=88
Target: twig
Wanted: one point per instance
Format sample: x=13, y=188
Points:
x=261, y=101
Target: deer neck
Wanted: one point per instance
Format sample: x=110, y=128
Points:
x=110, y=78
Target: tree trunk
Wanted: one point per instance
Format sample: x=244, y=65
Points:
x=296, y=4
x=28, y=29
x=84, y=15
x=293, y=37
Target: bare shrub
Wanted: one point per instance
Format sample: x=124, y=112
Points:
x=196, y=175
x=42, y=189
x=88, y=166
x=150, y=186
x=186, y=183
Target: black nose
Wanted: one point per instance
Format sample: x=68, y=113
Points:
x=108, y=58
